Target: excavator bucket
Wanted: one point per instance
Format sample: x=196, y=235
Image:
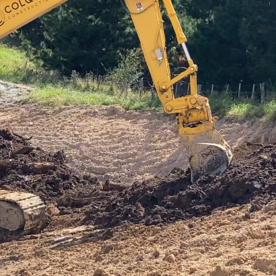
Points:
x=208, y=153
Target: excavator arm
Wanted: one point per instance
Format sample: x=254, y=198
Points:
x=208, y=152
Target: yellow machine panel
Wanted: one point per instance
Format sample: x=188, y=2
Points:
x=15, y=14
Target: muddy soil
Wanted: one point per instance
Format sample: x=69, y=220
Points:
x=232, y=231
x=155, y=201
x=111, y=216
x=31, y=169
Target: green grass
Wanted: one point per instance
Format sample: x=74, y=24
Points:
x=270, y=111
x=15, y=66
x=57, y=96
x=222, y=106
x=240, y=110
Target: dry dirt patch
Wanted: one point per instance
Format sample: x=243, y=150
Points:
x=111, y=143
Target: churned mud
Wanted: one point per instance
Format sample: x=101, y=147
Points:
x=251, y=178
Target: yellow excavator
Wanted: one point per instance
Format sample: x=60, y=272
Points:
x=208, y=152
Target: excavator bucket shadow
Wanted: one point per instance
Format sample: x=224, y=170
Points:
x=208, y=153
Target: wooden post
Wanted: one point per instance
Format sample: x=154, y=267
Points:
x=227, y=88
x=239, y=91
x=199, y=87
x=99, y=81
x=262, y=89
x=152, y=93
x=212, y=90
x=141, y=86
x=74, y=77
x=253, y=91
x=87, y=78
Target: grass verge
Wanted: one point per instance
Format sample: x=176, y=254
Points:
x=244, y=109
x=15, y=66
x=57, y=96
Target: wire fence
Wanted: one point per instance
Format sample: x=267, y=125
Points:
x=255, y=92
x=259, y=92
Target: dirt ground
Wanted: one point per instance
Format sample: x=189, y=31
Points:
x=220, y=226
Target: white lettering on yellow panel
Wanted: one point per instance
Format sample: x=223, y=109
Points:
x=16, y=13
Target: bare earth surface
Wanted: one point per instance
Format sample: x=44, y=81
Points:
x=124, y=147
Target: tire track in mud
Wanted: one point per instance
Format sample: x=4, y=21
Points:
x=111, y=143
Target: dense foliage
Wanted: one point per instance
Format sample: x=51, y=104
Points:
x=230, y=40
x=81, y=35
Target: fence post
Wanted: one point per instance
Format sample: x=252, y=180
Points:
x=212, y=89
x=141, y=86
x=100, y=78
x=227, y=88
x=74, y=77
x=199, y=87
x=253, y=91
x=152, y=93
x=262, y=88
x=239, y=91
x=87, y=77
x=188, y=88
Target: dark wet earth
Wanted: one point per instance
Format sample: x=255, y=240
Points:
x=250, y=179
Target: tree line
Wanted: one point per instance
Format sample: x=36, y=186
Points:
x=230, y=40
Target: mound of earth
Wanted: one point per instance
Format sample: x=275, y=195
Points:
x=251, y=179
x=29, y=169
